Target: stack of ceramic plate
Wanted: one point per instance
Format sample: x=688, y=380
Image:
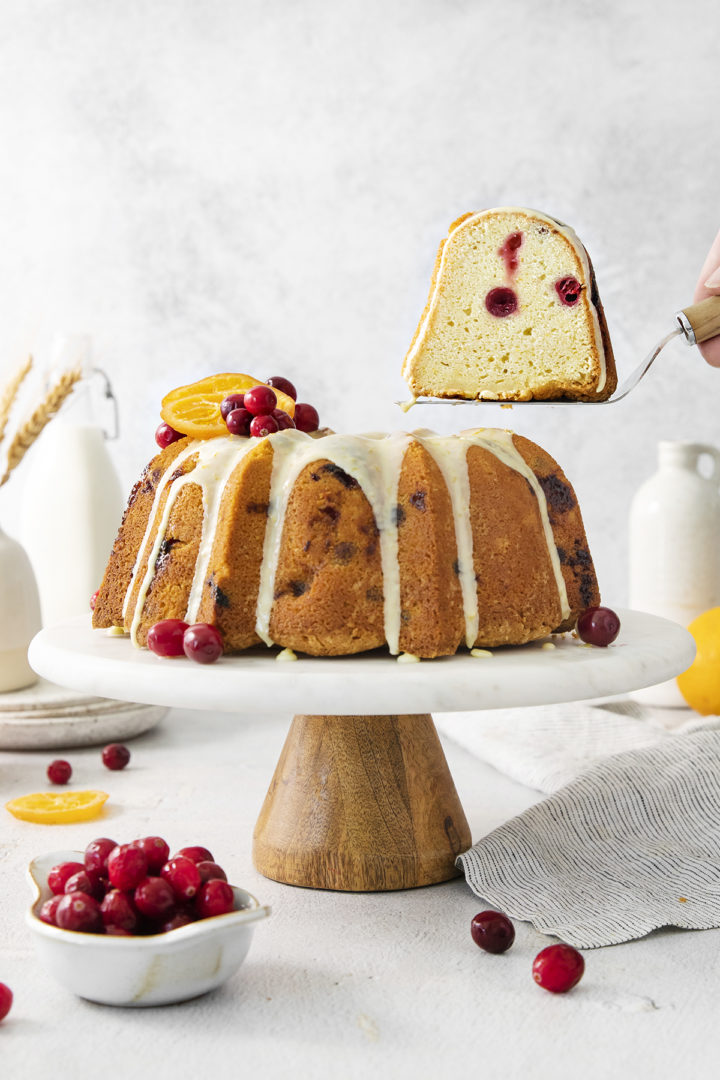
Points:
x=46, y=716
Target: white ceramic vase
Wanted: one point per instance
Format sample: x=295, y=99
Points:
x=19, y=615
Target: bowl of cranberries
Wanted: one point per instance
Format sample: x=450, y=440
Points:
x=131, y=924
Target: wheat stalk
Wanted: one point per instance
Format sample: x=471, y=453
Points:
x=9, y=394
x=28, y=432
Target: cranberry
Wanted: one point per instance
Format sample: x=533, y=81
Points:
x=231, y=402
x=202, y=643
x=48, y=912
x=501, y=302
x=78, y=911
x=260, y=401
x=115, y=756
x=306, y=417
x=83, y=882
x=59, y=771
x=154, y=898
x=598, y=626
x=96, y=855
x=283, y=385
x=165, y=435
x=127, y=866
x=6, y=1000
x=215, y=898
x=60, y=873
x=492, y=931
x=508, y=252
x=180, y=918
x=165, y=637
x=210, y=871
x=117, y=931
x=93, y=599
x=183, y=876
x=263, y=425
x=239, y=421
x=195, y=854
x=155, y=850
x=558, y=968
x=283, y=420
x=117, y=911
x=568, y=289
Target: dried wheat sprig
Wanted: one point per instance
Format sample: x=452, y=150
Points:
x=10, y=392
x=28, y=432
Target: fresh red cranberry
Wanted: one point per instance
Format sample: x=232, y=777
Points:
x=203, y=643
x=509, y=252
x=263, y=425
x=60, y=873
x=283, y=420
x=558, y=968
x=115, y=756
x=93, y=599
x=306, y=417
x=568, y=289
x=215, y=898
x=59, y=771
x=492, y=931
x=78, y=911
x=155, y=850
x=96, y=855
x=238, y=422
x=598, y=626
x=127, y=866
x=283, y=385
x=117, y=911
x=83, y=882
x=48, y=912
x=183, y=877
x=165, y=637
x=210, y=871
x=260, y=401
x=117, y=931
x=165, y=435
x=501, y=302
x=6, y=1000
x=154, y=898
x=180, y=918
x=230, y=403
x=195, y=854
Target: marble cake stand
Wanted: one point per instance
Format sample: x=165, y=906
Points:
x=362, y=797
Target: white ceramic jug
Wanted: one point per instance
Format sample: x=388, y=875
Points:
x=19, y=615
x=675, y=544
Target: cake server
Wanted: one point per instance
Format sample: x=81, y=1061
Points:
x=696, y=323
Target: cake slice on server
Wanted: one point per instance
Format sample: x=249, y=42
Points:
x=513, y=314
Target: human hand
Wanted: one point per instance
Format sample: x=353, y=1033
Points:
x=709, y=285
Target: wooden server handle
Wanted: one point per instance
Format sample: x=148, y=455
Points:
x=700, y=322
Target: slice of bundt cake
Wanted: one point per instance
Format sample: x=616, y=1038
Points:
x=513, y=314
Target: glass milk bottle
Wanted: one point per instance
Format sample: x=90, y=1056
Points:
x=675, y=544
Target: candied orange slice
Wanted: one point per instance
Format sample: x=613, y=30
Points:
x=195, y=409
x=57, y=807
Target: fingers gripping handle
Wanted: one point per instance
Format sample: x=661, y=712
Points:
x=700, y=322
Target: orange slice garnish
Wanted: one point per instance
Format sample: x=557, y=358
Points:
x=57, y=807
x=195, y=410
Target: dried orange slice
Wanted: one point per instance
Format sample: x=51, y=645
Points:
x=57, y=807
x=195, y=409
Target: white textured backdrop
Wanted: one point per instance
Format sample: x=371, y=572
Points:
x=218, y=184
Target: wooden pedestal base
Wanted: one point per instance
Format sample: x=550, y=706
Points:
x=361, y=803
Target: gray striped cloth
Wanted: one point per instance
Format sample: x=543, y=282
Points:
x=631, y=845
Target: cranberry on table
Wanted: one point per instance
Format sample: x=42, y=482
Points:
x=260, y=401
x=6, y=1000
x=127, y=866
x=115, y=756
x=165, y=435
x=80, y=912
x=155, y=849
x=501, y=302
x=117, y=911
x=48, y=912
x=93, y=599
x=231, y=402
x=183, y=877
x=59, y=771
x=283, y=420
x=492, y=931
x=165, y=638
x=278, y=382
x=60, y=874
x=263, y=425
x=558, y=968
x=210, y=871
x=154, y=898
x=598, y=626
x=195, y=854
x=96, y=854
x=203, y=643
x=215, y=898
x=306, y=417
x=568, y=289
x=238, y=422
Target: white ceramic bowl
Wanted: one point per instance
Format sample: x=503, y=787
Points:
x=154, y=970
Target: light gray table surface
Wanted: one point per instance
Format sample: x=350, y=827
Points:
x=335, y=985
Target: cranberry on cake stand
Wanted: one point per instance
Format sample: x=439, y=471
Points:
x=362, y=798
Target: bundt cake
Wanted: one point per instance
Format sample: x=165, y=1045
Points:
x=344, y=543
x=513, y=314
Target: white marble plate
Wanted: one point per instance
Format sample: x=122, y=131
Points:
x=647, y=651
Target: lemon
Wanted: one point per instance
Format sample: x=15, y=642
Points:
x=57, y=807
x=195, y=410
x=700, y=684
